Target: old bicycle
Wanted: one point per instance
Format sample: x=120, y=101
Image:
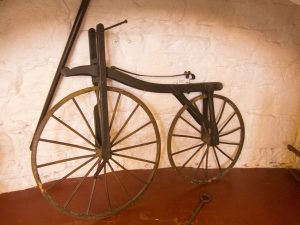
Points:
x=97, y=150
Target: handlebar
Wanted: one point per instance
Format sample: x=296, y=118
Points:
x=115, y=25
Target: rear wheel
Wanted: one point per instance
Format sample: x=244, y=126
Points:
x=67, y=160
x=192, y=155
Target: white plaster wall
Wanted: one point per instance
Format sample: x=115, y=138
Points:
x=252, y=46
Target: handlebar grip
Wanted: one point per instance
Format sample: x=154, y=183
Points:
x=92, y=46
x=89, y=70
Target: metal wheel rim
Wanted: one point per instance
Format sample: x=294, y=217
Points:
x=36, y=140
x=173, y=124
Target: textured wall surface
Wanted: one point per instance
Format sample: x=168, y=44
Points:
x=252, y=46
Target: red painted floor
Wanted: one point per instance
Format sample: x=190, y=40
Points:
x=242, y=197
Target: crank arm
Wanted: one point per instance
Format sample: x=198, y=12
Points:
x=204, y=199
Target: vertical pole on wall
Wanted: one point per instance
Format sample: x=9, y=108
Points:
x=75, y=28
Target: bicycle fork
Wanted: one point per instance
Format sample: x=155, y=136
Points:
x=97, y=70
x=207, y=120
x=209, y=115
x=97, y=57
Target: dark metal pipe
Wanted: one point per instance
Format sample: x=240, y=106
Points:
x=77, y=23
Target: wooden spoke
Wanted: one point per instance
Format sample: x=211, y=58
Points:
x=134, y=158
x=79, y=184
x=192, y=156
x=181, y=117
x=131, y=133
x=187, y=149
x=87, y=164
x=69, y=174
x=67, y=144
x=196, y=107
x=218, y=162
x=187, y=136
x=229, y=132
x=220, y=113
x=99, y=169
x=202, y=158
x=134, y=146
x=114, y=112
x=227, y=121
x=106, y=189
x=132, y=174
x=224, y=153
x=85, y=120
x=64, y=160
x=129, y=117
x=206, y=163
x=118, y=180
x=91, y=196
x=70, y=128
x=228, y=143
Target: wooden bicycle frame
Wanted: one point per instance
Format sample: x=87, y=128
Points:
x=200, y=109
x=100, y=73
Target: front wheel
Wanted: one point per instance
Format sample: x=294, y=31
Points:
x=68, y=162
x=194, y=157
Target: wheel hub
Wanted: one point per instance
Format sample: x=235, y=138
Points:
x=206, y=139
